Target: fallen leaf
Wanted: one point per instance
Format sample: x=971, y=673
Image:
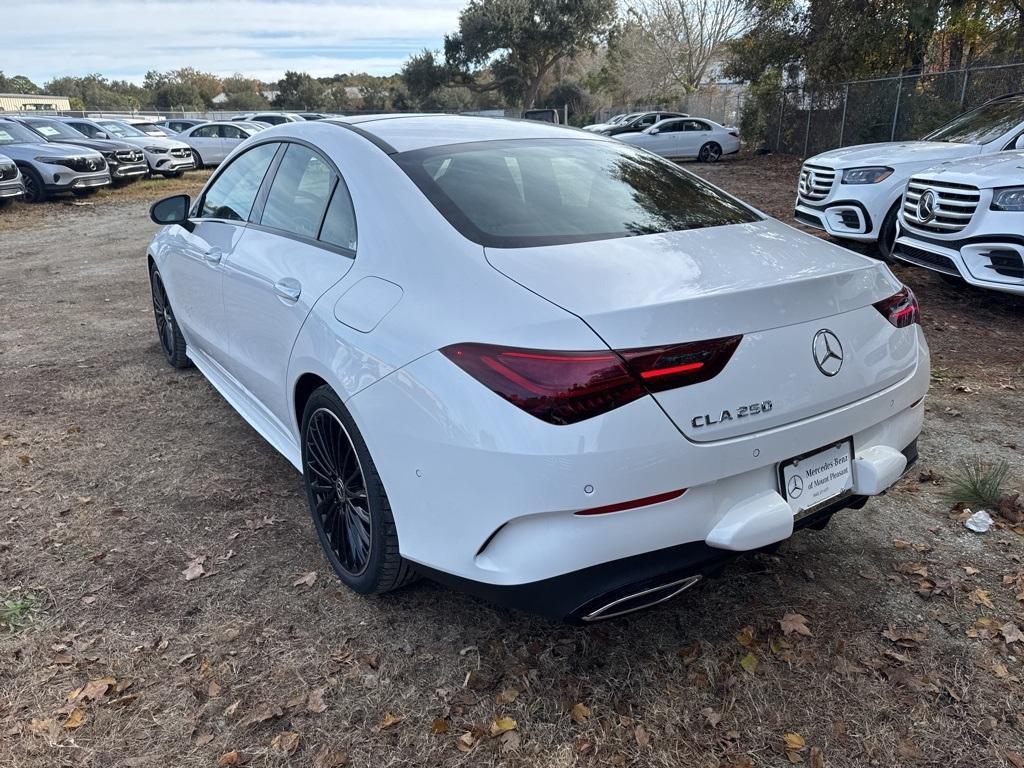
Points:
x=307, y=579
x=194, y=569
x=713, y=718
x=643, y=739
x=75, y=719
x=234, y=757
x=817, y=758
x=501, y=725
x=509, y=741
x=1015, y=759
x=466, y=742
x=980, y=597
x=440, y=725
x=213, y=690
x=794, y=622
x=330, y=758
x=794, y=741
x=689, y=653
x=285, y=743
x=903, y=638
x=749, y=663
x=315, y=702
x=1011, y=633
x=746, y=637
x=389, y=721
x=507, y=696
x=97, y=689
x=579, y=713
x=267, y=712
x=38, y=726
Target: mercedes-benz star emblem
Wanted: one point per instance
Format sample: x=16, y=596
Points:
x=926, y=206
x=827, y=351
x=795, y=487
x=808, y=183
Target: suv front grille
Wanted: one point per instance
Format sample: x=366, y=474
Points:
x=129, y=156
x=181, y=152
x=8, y=171
x=947, y=207
x=815, y=182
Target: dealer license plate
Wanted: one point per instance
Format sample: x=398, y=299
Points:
x=811, y=481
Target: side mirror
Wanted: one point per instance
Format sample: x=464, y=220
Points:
x=172, y=210
x=1019, y=144
x=102, y=135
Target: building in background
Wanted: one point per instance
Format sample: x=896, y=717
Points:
x=24, y=102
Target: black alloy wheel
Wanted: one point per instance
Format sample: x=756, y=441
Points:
x=338, y=495
x=34, y=190
x=171, y=340
x=710, y=153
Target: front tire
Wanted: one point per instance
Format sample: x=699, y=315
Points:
x=35, y=192
x=710, y=152
x=171, y=340
x=887, y=234
x=198, y=160
x=347, y=501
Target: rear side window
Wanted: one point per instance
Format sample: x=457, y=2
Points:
x=340, y=222
x=299, y=193
x=514, y=194
x=206, y=132
x=233, y=192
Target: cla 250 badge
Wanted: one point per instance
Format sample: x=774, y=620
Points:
x=742, y=412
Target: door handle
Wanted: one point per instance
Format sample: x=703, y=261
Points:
x=213, y=256
x=288, y=288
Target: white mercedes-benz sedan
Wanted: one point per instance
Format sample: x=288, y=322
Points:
x=686, y=137
x=540, y=365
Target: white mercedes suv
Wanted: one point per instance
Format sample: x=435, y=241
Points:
x=966, y=219
x=854, y=192
x=539, y=364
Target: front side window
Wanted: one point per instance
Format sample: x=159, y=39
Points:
x=982, y=125
x=233, y=192
x=299, y=193
x=534, y=192
x=230, y=132
x=207, y=132
x=671, y=126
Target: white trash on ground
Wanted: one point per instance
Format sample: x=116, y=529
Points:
x=979, y=522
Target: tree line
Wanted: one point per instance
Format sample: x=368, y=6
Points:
x=589, y=54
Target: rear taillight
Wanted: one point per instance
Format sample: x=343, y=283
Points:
x=566, y=387
x=900, y=309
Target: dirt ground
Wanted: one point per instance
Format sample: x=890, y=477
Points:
x=119, y=476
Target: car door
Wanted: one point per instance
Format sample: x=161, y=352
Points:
x=193, y=268
x=207, y=142
x=230, y=137
x=668, y=139
x=694, y=134
x=284, y=264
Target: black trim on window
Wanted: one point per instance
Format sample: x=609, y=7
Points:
x=378, y=142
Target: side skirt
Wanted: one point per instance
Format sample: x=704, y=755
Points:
x=248, y=407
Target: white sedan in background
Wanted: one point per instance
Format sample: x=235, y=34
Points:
x=681, y=137
x=212, y=142
x=535, y=363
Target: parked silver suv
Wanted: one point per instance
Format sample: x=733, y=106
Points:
x=11, y=186
x=125, y=161
x=168, y=157
x=48, y=167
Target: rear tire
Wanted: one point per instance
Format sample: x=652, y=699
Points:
x=887, y=233
x=171, y=340
x=347, y=500
x=35, y=192
x=198, y=159
x=710, y=152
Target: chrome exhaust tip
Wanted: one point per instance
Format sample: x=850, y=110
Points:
x=641, y=600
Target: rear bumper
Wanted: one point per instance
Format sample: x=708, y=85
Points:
x=608, y=590
x=996, y=263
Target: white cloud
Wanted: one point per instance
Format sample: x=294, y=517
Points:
x=261, y=38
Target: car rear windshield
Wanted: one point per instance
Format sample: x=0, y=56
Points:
x=523, y=193
x=982, y=125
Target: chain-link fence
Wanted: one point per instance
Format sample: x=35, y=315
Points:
x=805, y=121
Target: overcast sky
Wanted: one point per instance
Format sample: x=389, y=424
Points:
x=262, y=38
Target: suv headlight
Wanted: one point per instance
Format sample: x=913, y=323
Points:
x=157, y=150
x=871, y=174
x=1008, y=199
